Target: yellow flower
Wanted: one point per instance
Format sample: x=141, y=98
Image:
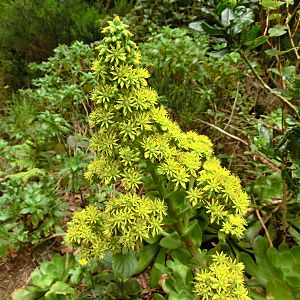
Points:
x=83, y=262
x=223, y=279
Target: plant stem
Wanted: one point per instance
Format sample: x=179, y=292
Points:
x=264, y=227
x=178, y=224
x=284, y=208
x=188, y=241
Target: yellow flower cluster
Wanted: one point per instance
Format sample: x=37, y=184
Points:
x=124, y=221
x=220, y=193
x=222, y=280
x=131, y=136
x=129, y=128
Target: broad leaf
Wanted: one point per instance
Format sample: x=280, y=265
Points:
x=59, y=288
x=194, y=232
x=124, y=264
x=259, y=41
x=213, y=30
x=158, y=268
x=271, y=4
x=227, y=16
x=277, y=289
x=24, y=294
x=171, y=241
x=277, y=30
x=146, y=255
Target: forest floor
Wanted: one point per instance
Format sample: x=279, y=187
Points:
x=15, y=271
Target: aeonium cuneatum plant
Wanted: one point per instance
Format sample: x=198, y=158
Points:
x=167, y=177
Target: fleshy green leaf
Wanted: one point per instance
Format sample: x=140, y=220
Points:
x=60, y=288
x=194, y=232
x=124, y=264
x=24, y=294
x=277, y=289
x=146, y=255
x=171, y=241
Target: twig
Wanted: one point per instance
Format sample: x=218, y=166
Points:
x=225, y=132
x=292, y=42
x=274, y=202
x=294, y=12
x=284, y=209
x=267, y=22
x=48, y=238
x=234, y=105
x=264, y=227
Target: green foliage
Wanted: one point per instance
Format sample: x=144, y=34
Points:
x=124, y=265
x=41, y=116
x=37, y=125
x=64, y=80
x=190, y=78
x=137, y=145
x=51, y=22
x=177, y=13
x=50, y=281
x=282, y=150
x=71, y=172
x=231, y=20
x=275, y=270
x=175, y=61
x=30, y=212
x=59, y=278
x=110, y=279
x=30, y=30
x=177, y=280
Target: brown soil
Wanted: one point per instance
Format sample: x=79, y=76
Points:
x=14, y=273
x=15, y=270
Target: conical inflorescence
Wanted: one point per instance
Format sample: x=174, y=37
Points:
x=134, y=135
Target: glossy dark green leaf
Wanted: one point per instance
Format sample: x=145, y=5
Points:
x=211, y=29
x=227, y=16
x=259, y=41
x=196, y=26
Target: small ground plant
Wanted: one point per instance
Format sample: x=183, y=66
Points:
x=30, y=212
x=175, y=198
